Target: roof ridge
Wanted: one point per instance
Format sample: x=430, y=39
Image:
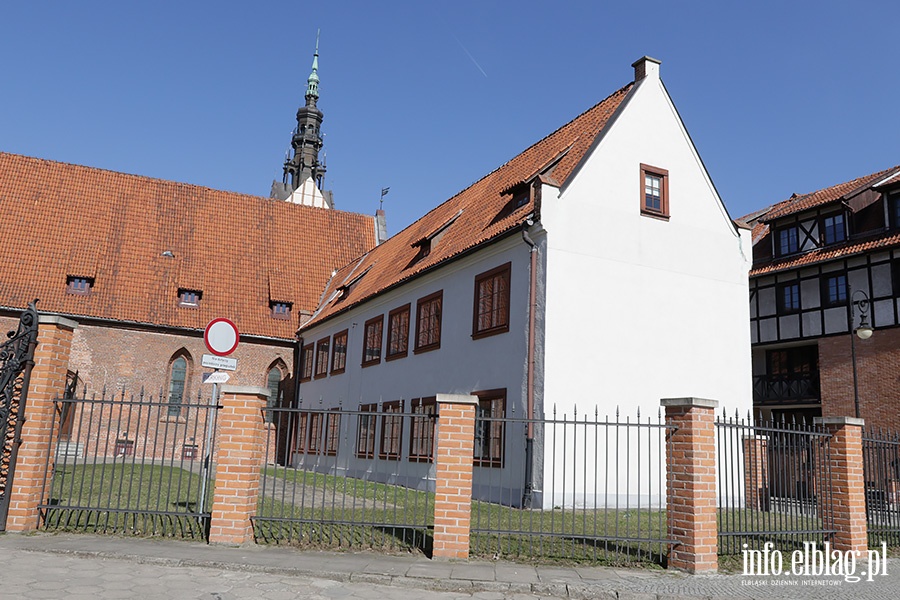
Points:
x=150, y=179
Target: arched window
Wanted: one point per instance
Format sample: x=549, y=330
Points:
x=177, y=378
x=273, y=383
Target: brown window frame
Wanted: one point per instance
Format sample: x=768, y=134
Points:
x=321, y=368
x=421, y=435
x=315, y=443
x=663, y=175
x=302, y=432
x=496, y=430
x=390, y=353
x=335, y=368
x=379, y=321
x=366, y=429
x=432, y=345
x=502, y=273
x=391, y=430
x=307, y=356
x=332, y=432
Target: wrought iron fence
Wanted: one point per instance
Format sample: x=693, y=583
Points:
x=132, y=465
x=578, y=487
x=349, y=478
x=881, y=472
x=774, y=483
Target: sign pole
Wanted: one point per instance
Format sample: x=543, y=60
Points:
x=207, y=446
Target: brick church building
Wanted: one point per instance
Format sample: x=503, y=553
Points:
x=143, y=264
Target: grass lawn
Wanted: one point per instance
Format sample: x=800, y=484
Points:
x=118, y=497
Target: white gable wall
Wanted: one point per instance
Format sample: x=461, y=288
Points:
x=638, y=308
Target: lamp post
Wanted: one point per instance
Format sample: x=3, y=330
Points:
x=864, y=332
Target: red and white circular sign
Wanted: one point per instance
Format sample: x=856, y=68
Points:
x=221, y=336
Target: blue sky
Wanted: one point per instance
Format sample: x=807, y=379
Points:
x=427, y=97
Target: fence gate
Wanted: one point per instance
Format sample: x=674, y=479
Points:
x=131, y=464
x=16, y=360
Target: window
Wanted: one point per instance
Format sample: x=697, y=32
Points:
x=322, y=357
x=428, y=322
x=306, y=362
x=654, y=191
x=893, y=202
x=281, y=310
x=491, y=312
x=365, y=433
x=315, y=432
x=421, y=438
x=788, y=298
x=190, y=298
x=490, y=428
x=398, y=333
x=333, y=432
x=273, y=384
x=302, y=431
x=391, y=430
x=79, y=285
x=372, y=341
x=833, y=229
x=788, y=240
x=339, y=353
x=177, y=378
x=834, y=290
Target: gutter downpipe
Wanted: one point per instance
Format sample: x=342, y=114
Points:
x=529, y=433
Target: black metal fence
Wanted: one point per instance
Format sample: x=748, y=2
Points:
x=349, y=478
x=881, y=472
x=578, y=487
x=774, y=480
x=131, y=465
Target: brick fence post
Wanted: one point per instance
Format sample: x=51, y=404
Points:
x=38, y=449
x=845, y=506
x=454, y=452
x=756, y=472
x=240, y=457
x=691, y=484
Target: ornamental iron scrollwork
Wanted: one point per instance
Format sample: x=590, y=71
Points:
x=16, y=360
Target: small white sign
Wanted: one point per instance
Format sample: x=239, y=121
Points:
x=217, y=377
x=219, y=362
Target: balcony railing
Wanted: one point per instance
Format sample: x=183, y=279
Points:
x=786, y=389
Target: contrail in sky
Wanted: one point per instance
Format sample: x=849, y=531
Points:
x=469, y=54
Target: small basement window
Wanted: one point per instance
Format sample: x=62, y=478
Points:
x=189, y=297
x=79, y=285
x=281, y=310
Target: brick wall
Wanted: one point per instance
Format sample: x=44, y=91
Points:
x=878, y=369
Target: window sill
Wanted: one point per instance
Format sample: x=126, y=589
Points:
x=489, y=332
x=337, y=371
x=655, y=215
x=390, y=357
x=427, y=348
x=305, y=379
x=371, y=363
x=321, y=375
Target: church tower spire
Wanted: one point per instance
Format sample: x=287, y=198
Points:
x=304, y=170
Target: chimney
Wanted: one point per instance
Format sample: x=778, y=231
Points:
x=380, y=227
x=646, y=68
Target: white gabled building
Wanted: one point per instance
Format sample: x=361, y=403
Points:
x=597, y=267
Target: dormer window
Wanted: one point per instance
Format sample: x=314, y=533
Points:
x=425, y=244
x=79, y=285
x=788, y=240
x=190, y=298
x=893, y=202
x=833, y=229
x=281, y=310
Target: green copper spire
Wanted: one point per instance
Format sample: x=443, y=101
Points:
x=312, y=88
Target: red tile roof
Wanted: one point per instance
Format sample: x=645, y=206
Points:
x=62, y=220
x=796, y=204
x=486, y=212
x=878, y=242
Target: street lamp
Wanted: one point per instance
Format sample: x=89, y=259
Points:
x=863, y=332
